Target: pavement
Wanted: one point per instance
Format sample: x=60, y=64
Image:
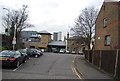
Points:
x=88, y=71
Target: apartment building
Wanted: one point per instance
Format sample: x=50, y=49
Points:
x=57, y=36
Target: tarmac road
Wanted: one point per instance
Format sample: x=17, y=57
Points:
x=48, y=66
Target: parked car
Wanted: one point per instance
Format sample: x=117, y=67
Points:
x=62, y=51
x=73, y=52
x=41, y=53
x=55, y=51
x=80, y=52
x=67, y=52
x=24, y=51
x=12, y=58
x=34, y=52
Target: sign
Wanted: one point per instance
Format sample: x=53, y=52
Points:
x=98, y=37
x=14, y=38
x=14, y=42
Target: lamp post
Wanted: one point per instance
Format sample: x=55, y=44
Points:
x=7, y=29
x=14, y=38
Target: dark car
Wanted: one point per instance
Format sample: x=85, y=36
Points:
x=12, y=58
x=24, y=51
x=55, y=51
x=34, y=52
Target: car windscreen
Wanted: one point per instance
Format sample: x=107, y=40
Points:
x=31, y=50
x=22, y=51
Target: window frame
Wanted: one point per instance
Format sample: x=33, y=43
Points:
x=105, y=22
x=107, y=41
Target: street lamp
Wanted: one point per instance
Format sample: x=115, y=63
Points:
x=7, y=29
x=14, y=38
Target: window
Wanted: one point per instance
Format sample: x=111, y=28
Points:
x=104, y=7
x=107, y=40
x=104, y=22
x=32, y=46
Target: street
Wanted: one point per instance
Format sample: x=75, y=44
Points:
x=48, y=66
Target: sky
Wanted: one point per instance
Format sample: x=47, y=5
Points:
x=50, y=15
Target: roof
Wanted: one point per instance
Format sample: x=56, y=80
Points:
x=75, y=38
x=34, y=36
x=29, y=31
x=57, y=43
x=44, y=33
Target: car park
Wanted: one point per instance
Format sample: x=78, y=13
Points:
x=24, y=51
x=34, y=52
x=12, y=58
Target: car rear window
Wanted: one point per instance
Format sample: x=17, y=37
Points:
x=7, y=53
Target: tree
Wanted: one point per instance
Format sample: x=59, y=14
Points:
x=85, y=24
x=18, y=20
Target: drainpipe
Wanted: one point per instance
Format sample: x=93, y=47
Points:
x=119, y=26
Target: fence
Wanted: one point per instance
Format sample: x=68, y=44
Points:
x=107, y=60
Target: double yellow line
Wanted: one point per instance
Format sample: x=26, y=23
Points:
x=75, y=70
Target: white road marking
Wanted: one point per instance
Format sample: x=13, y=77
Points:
x=17, y=68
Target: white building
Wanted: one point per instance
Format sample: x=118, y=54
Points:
x=57, y=36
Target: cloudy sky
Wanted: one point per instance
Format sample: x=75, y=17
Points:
x=51, y=15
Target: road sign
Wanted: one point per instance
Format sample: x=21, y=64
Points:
x=14, y=42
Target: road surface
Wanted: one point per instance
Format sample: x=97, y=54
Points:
x=48, y=66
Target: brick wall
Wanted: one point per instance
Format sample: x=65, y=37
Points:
x=111, y=12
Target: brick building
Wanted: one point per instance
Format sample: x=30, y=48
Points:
x=107, y=30
x=39, y=42
x=75, y=43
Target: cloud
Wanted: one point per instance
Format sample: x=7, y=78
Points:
x=52, y=15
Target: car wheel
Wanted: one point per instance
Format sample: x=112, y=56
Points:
x=28, y=58
x=24, y=61
x=41, y=54
x=17, y=64
x=36, y=56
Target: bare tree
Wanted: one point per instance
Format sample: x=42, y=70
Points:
x=17, y=19
x=85, y=24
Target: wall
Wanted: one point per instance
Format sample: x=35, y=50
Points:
x=109, y=10
x=106, y=60
x=42, y=44
x=75, y=45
